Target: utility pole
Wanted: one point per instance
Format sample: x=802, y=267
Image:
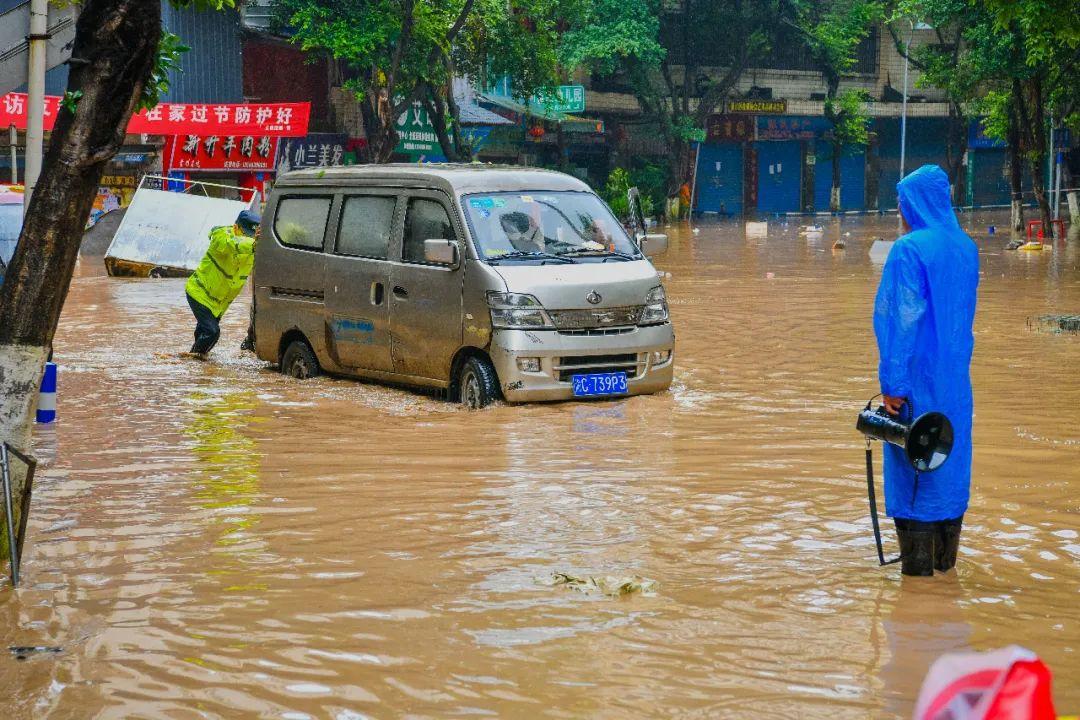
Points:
x=13, y=139
x=35, y=100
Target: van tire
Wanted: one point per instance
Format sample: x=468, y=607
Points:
x=478, y=386
x=299, y=361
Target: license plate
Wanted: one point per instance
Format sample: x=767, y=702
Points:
x=599, y=384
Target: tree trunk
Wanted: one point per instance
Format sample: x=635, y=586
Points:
x=1016, y=175
x=955, y=147
x=115, y=47
x=680, y=164
x=1038, y=185
x=437, y=112
x=834, y=192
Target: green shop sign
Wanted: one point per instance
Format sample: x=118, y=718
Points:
x=416, y=134
x=564, y=99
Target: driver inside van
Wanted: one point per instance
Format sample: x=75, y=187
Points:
x=523, y=232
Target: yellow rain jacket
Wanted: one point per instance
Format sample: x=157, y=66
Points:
x=223, y=271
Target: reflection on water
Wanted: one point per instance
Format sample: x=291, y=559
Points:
x=215, y=539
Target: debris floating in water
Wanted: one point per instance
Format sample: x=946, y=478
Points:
x=1056, y=323
x=23, y=652
x=604, y=585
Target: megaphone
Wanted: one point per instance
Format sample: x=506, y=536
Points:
x=926, y=441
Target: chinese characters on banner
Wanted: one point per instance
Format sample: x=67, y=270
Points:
x=220, y=152
x=254, y=119
x=13, y=110
x=314, y=150
x=791, y=128
x=729, y=128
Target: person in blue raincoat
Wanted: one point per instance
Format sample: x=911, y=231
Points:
x=923, y=315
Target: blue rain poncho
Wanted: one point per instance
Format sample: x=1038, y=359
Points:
x=923, y=314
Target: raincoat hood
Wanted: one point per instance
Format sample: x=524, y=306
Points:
x=924, y=199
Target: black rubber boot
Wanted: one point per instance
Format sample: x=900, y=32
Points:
x=916, y=547
x=947, y=544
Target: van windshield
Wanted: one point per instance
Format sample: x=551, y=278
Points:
x=544, y=225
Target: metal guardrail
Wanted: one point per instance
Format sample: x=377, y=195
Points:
x=15, y=537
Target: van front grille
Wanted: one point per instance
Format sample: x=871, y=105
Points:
x=596, y=332
x=596, y=318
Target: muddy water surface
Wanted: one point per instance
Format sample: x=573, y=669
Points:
x=215, y=540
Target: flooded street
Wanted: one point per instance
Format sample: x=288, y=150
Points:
x=217, y=540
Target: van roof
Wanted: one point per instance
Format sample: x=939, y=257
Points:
x=455, y=178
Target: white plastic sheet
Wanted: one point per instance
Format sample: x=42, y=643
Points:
x=170, y=229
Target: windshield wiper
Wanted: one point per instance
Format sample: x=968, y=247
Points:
x=584, y=252
x=530, y=255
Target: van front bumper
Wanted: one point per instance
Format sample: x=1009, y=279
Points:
x=561, y=355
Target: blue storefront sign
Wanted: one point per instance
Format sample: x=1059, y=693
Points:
x=978, y=139
x=314, y=150
x=791, y=127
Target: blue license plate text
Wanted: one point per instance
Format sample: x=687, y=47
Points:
x=599, y=384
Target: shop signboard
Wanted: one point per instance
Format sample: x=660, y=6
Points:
x=729, y=128
x=791, y=128
x=978, y=139
x=314, y=150
x=216, y=152
x=563, y=99
x=416, y=134
x=757, y=107
x=237, y=119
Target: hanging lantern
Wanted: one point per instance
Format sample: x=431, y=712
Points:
x=536, y=132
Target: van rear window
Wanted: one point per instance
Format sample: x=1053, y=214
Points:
x=301, y=221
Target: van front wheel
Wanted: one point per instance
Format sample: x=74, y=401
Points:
x=479, y=386
x=299, y=361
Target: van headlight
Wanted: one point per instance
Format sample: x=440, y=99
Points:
x=516, y=311
x=656, y=310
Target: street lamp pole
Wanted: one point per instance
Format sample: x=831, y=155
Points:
x=903, y=107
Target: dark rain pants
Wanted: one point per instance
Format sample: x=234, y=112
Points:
x=928, y=546
x=207, y=327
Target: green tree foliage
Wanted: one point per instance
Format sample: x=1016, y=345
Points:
x=831, y=31
x=170, y=50
x=940, y=66
x=709, y=45
x=393, y=52
x=1013, y=63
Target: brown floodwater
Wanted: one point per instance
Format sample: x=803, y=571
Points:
x=216, y=540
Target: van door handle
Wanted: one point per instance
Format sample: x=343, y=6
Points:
x=376, y=293
x=400, y=292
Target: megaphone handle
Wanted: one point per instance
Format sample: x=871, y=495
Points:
x=872, y=498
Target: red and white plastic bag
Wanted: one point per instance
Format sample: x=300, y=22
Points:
x=1007, y=684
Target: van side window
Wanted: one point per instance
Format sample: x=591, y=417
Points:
x=424, y=220
x=301, y=221
x=365, y=226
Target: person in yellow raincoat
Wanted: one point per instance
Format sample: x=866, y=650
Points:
x=220, y=277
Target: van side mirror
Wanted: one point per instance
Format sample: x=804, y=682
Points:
x=441, y=252
x=654, y=244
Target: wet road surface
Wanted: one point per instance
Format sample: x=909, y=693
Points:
x=216, y=540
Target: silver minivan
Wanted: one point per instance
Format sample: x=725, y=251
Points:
x=486, y=282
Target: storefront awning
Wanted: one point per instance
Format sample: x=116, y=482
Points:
x=569, y=123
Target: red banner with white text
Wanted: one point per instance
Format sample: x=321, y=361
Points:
x=231, y=153
x=236, y=119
